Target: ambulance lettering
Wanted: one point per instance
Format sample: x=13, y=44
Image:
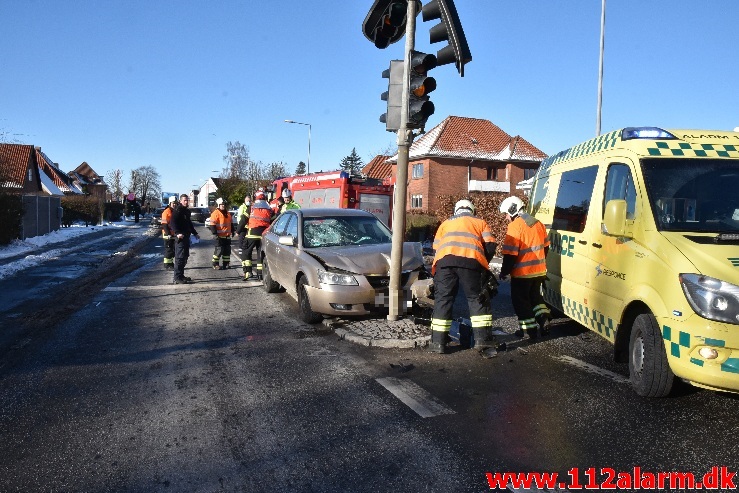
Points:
x=562, y=244
x=609, y=273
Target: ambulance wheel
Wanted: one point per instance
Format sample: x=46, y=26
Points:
x=269, y=285
x=649, y=371
x=306, y=313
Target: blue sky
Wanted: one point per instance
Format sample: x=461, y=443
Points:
x=123, y=84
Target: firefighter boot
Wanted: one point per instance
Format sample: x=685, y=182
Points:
x=438, y=342
x=247, y=273
x=543, y=321
x=484, y=338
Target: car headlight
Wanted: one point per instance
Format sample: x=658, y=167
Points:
x=712, y=298
x=336, y=278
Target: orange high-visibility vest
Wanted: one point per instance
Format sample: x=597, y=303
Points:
x=463, y=236
x=222, y=223
x=166, y=218
x=527, y=244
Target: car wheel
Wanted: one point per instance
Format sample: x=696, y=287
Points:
x=269, y=285
x=649, y=371
x=306, y=313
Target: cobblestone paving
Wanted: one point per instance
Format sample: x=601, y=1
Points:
x=403, y=333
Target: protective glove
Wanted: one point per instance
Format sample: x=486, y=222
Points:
x=167, y=237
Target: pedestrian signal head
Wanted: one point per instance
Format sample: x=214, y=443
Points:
x=286, y=194
x=511, y=205
x=463, y=205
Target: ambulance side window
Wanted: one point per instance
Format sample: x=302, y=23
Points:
x=620, y=185
x=573, y=199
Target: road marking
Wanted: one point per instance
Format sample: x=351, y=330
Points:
x=226, y=283
x=593, y=369
x=413, y=396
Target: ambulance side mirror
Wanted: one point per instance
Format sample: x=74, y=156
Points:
x=614, y=219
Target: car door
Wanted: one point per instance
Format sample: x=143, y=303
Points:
x=568, y=260
x=274, y=251
x=287, y=255
x=613, y=257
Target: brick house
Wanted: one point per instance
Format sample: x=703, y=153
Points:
x=86, y=179
x=458, y=156
x=26, y=170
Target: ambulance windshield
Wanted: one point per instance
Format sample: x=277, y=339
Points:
x=693, y=195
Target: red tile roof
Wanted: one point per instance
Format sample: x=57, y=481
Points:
x=14, y=162
x=472, y=138
x=16, y=159
x=378, y=168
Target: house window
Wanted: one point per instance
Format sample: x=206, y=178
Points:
x=417, y=171
x=416, y=201
x=30, y=175
x=490, y=174
x=529, y=173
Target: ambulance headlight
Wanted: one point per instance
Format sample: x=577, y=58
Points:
x=337, y=278
x=711, y=298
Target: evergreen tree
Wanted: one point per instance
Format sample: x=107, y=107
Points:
x=352, y=163
x=300, y=168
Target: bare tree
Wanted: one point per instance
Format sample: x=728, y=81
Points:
x=275, y=170
x=114, y=180
x=148, y=186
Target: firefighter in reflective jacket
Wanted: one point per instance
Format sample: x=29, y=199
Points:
x=259, y=219
x=524, y=258
x=464, y=245
x=221, y=226
x=167, y=234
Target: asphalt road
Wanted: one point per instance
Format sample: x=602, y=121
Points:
x=217, y=386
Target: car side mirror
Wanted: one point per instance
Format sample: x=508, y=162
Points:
x=287, y=240
x=614, y=219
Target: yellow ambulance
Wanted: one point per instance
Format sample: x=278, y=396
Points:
x=644, y=231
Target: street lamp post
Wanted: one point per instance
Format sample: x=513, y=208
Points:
x=307, y=169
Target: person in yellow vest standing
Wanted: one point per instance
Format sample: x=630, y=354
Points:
x=221, y=226
x=167, y=235
x=288, y=202
x=464, y=246
x=524, y=258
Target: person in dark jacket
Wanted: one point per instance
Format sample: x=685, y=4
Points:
x=182, y=228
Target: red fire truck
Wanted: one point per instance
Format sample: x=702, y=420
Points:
x=340, y=190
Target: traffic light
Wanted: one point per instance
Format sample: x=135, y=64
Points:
x=449, y=29
x=385, y=22
x=420, y=108
x=393, y=95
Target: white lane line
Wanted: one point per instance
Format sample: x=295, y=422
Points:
x=413, y=396
x=593, y=369
x=235, y=283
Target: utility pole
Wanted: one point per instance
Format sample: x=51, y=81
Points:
x=405, y=139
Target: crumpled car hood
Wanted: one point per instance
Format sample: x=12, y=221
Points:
x=368, y=259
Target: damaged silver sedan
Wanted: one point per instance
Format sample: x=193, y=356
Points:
x=334, y=262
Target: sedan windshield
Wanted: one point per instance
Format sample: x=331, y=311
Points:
x=344, y=230
x=694, y=195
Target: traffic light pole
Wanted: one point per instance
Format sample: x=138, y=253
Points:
x=405, y=138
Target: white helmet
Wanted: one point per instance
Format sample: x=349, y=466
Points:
x=286, y=193
x=219, y=201
x=511, y=205
x=172, y=198
x=464, y=204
